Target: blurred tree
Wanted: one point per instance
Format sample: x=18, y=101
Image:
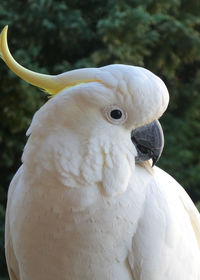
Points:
x=55, y=36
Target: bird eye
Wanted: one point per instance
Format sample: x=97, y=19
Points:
x=114, y=114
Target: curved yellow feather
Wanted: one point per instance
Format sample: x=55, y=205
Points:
x=52, y=84
x=40, y=80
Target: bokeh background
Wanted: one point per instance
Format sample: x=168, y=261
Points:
x=56, y=36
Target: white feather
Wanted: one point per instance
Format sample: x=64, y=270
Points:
x=166, y=242
x=79, y=207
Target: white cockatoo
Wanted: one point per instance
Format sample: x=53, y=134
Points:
x=86, y=204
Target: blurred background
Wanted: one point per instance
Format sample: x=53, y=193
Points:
x=56, y=36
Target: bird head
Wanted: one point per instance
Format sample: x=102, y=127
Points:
x=98, y=123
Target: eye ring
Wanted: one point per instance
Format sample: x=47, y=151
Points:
x=115, y=114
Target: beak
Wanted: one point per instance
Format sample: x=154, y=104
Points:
x=149, y=142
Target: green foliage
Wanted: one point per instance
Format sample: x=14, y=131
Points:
x=55, y=36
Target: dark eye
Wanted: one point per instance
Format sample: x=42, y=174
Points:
x=116, y=114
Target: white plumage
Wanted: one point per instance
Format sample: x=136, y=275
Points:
x=79, y=207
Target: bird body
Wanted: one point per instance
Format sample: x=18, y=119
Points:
x=86, y=204
x=78, y=234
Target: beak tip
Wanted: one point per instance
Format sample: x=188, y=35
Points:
x=154, y=160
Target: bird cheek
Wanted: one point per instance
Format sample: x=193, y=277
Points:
x=116, y=175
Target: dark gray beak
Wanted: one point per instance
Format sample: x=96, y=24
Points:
x=149, y=142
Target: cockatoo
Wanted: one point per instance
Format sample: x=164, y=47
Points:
x=86, y=203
